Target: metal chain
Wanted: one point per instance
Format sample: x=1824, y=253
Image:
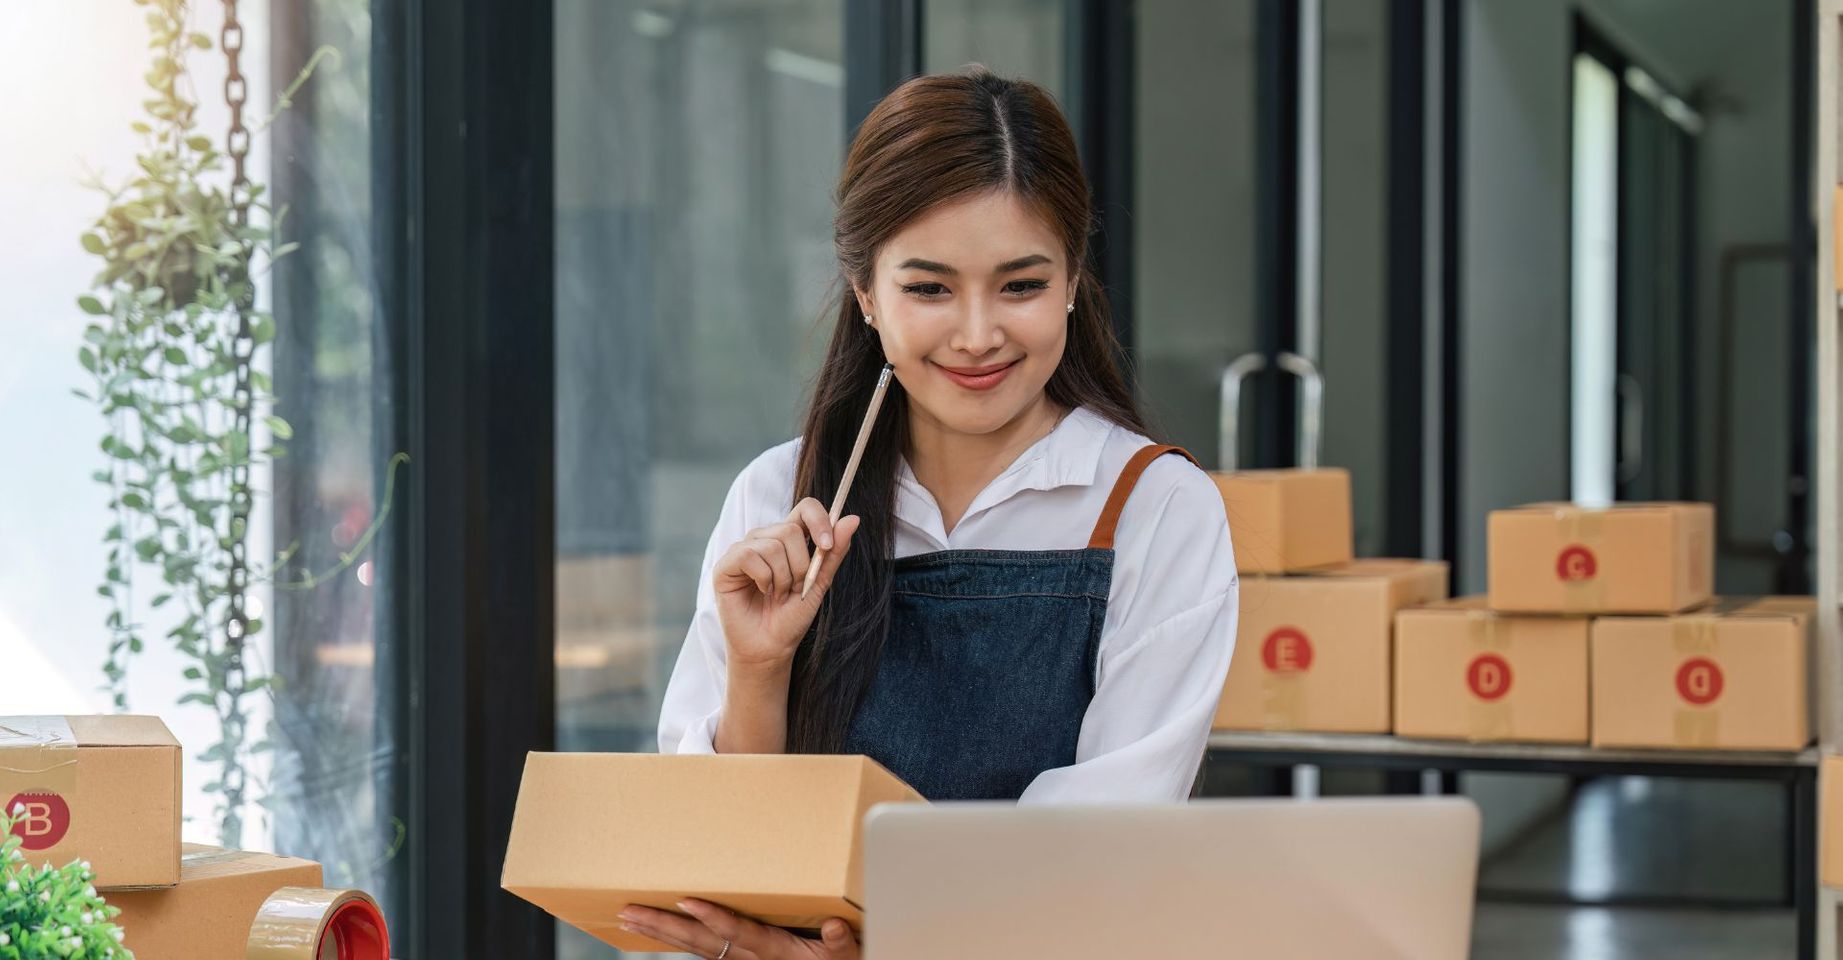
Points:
x=237, y=145
x=236, y=91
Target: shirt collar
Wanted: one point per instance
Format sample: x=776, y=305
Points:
x=1069, y=455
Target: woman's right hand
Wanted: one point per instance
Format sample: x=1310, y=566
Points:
x=758, y=581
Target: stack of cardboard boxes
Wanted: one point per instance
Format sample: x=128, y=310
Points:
x=1316, y=627
x=106, y=789
x=1654, y=660
x=1600, y=627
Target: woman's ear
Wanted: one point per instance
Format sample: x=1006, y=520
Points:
x=867, y=306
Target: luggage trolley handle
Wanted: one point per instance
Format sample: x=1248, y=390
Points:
x=1228, y=412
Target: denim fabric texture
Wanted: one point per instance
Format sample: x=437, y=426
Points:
x=987, y=671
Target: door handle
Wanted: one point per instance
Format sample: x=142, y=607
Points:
x=1310, y=442
x=1228, y=406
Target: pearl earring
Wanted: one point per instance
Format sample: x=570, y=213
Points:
x=867, y=319
x=1071, y=308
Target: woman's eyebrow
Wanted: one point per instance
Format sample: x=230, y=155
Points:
x=916, y=263
x=1009, y=266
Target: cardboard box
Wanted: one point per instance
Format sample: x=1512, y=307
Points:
x=208, y=916
x=1836, y=237
x=1628, y=558
x=778, y=838
x=1732, y=677
x=1287, y=521
x=1830, y=821
x=1463, y=672
x=103, y=789
x=1314, y=652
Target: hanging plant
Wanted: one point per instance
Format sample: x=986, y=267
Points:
x=173, y=346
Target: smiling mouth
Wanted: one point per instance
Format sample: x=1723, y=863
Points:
x=978, y=378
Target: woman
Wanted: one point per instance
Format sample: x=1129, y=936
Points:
x=1027, y=599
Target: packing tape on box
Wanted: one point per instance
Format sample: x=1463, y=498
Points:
x=1485, y=632
x=1697, y=727
x=205, y=858
x=1282, y=701
x=1487, y=720
x=39, y=756
x=1582, y=526
x=310, y=923
x=1694, y=636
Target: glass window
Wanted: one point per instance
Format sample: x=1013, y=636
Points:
x=697, y=148
x=1194, y=211
x=1023, y=39
x=302, y=761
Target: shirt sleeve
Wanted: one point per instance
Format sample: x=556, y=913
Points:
x=693, y=703
x=1165, y=648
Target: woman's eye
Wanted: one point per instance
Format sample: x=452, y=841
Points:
x=1026, y=286
x=924, y=290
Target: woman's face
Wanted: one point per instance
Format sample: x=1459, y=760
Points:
x=971, y=302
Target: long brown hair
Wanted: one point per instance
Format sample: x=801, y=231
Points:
x=933, y=140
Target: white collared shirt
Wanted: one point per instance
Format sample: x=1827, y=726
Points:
x=1170, y=626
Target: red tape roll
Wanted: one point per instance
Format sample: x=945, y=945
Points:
x=302, y=923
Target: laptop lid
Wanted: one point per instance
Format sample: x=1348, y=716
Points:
x=1273, y=879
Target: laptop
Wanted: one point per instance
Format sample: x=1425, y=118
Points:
x=1269, y=879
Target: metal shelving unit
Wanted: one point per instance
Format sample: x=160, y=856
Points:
x=1827, y=126
x=1797, y=771
x=1383, y=750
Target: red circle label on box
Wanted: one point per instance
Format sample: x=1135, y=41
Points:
x=40, y=819
x=1488, y=675
x=1699, y=680
x=1287, y=650
x=1576, y=563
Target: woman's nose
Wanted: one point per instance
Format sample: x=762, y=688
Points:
x=980, y=332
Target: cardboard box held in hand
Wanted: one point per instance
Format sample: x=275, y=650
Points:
x=778, y=838
x=1313, y=652
x=103, y=789
x=208, y=916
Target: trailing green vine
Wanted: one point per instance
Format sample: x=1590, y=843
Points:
x=173, y=345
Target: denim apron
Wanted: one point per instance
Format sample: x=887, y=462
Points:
x=990, y=661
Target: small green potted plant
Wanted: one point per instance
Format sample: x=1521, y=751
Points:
x=52, y=914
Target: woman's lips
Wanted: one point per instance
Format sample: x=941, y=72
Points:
x=978, y=378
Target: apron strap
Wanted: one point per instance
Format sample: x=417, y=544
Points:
x=1123, y=488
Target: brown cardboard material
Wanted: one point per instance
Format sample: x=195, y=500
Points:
x=208, y=915
x=1732, y=677
x=1629, y=558
x=98, y=788
x=1836, y=237
x=1314, y=652
x=778, y=838
x=1463, y=672
x=1287, y=521
x=1830, y=821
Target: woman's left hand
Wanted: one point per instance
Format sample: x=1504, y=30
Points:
x=710, y=927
